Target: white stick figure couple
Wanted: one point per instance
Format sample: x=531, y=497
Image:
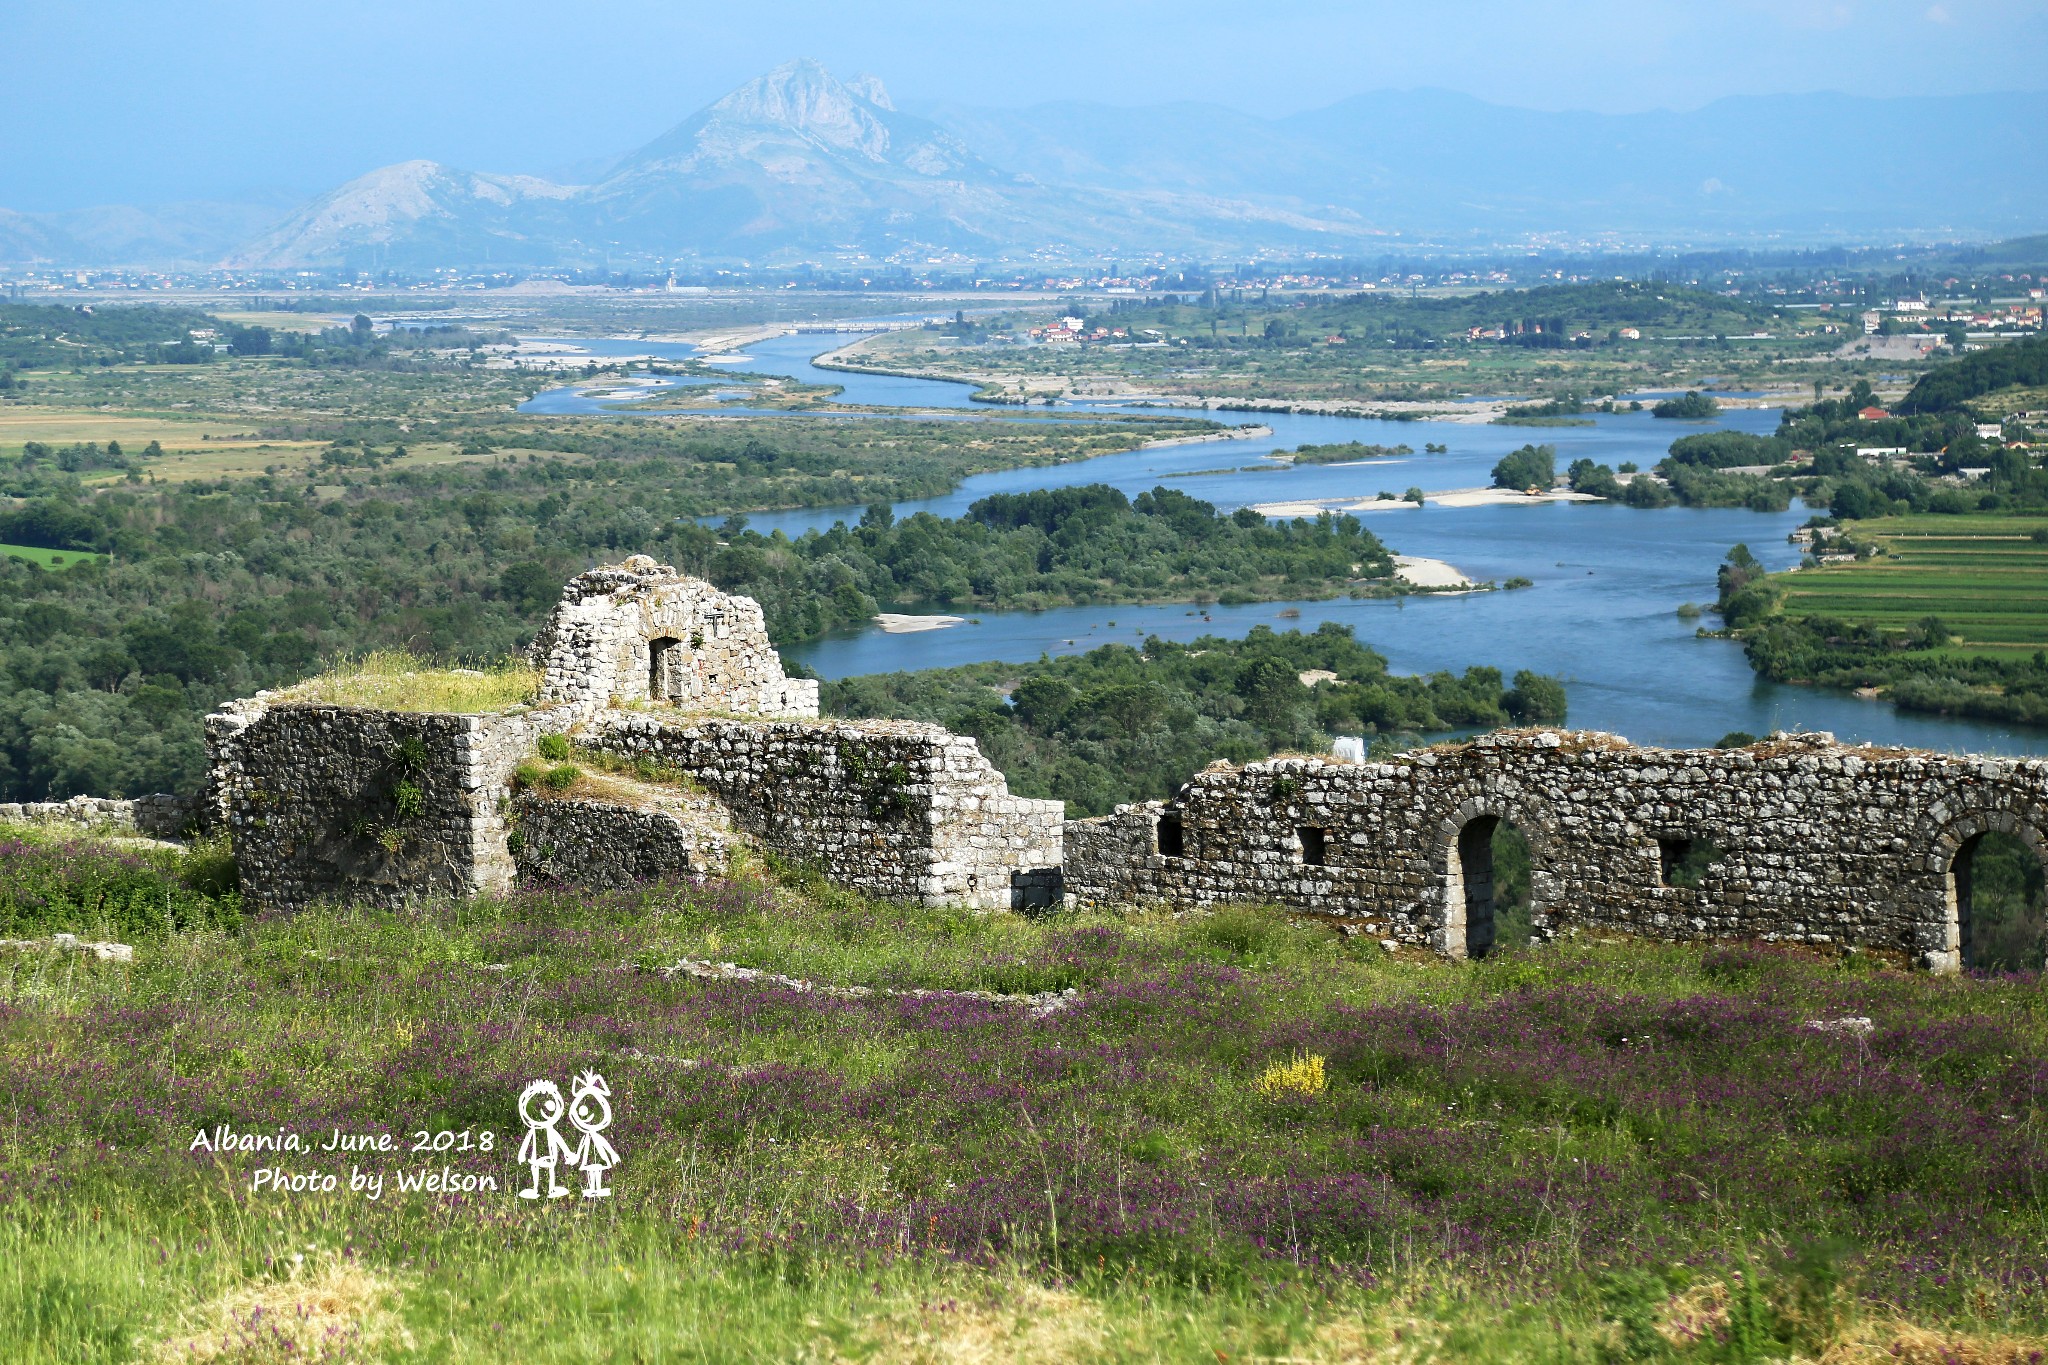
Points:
x=589, y=1109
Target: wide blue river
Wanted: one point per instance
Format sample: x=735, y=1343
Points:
x=1603, y=614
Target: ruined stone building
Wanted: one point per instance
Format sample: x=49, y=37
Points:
x=638, y=661
x=1793, y=839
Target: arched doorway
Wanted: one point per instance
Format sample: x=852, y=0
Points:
x=1489, y=889
x=1996, y=895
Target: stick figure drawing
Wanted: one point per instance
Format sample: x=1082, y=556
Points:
x=540, y=1107
x=590, y=1110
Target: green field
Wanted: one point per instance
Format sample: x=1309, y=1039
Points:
x=1239, y=1137
x=1984, y=576
x=49, y=559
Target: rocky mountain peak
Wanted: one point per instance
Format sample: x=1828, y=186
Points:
x=870, y=88
x=803, y=97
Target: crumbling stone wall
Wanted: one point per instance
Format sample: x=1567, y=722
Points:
x=1818, y=843
x=594, y=842
x=894, y=808
x=159, y=817
x=344, y=802
x=353, y=803
x=641, y=632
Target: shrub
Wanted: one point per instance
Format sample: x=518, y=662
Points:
x=81, y=886
x=554, y=748
x=561, y=777
x=1300, y=1078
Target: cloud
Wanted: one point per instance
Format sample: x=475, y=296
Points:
x=1938, y=14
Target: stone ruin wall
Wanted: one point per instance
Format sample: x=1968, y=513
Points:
x=1820, y=843
x=155, y=817
x=1816, y=842
x=640, y=632
x=308, y=793
x=893, y=808
x=581, y=841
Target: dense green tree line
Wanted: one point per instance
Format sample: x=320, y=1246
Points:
x=1949, y=386
x=1120, y=724
x=1691, y=406
x=1547, y=316
x=33, y=335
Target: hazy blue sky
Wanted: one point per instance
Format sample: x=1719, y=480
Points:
x=140, y=100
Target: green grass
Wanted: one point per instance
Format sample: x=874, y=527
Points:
x=1581, y=1153
x=49, y=559
x=394, y=680
x=1984, y=576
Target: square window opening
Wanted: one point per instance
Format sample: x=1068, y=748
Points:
x=1169, y=837
x=1671, y=855
x=1315, y=845
x=1683, y=862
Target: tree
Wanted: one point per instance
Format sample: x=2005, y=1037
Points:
x=1694, y=406
x=1596, y=480
x=1532, y=466
x=1271, y=687
x=529, y=584
x=1535, y=698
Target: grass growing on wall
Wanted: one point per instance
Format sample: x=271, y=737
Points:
x=394, y=680
x=1600, y=1153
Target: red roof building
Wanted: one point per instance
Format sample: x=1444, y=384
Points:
x=1873, y=414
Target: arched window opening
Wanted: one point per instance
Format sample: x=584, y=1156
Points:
x=661, y=659
x=1492, y=880
x=1997, y=891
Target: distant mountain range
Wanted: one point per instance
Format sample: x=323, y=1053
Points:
x=800, y=165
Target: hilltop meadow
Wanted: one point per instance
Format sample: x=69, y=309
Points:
x=1238, y=1136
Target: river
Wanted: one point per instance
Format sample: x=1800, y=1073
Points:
x=1603, y=614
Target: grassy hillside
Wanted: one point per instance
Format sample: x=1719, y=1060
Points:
x=1240, y=1137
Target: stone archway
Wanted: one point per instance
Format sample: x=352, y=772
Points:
x=1948, y=939
x=1465, y=870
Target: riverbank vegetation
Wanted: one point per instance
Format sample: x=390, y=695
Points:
x=1124, y=723
x=1243, y=1136
x=1944, y=614
x=1928, y=581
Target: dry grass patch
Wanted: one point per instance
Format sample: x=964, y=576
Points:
x=327, y=1309
x=1023, y=1323
x=393, y=680
x=1903, y=1343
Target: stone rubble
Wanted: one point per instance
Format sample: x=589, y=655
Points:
x=70, y=943
x=1040, y=1004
